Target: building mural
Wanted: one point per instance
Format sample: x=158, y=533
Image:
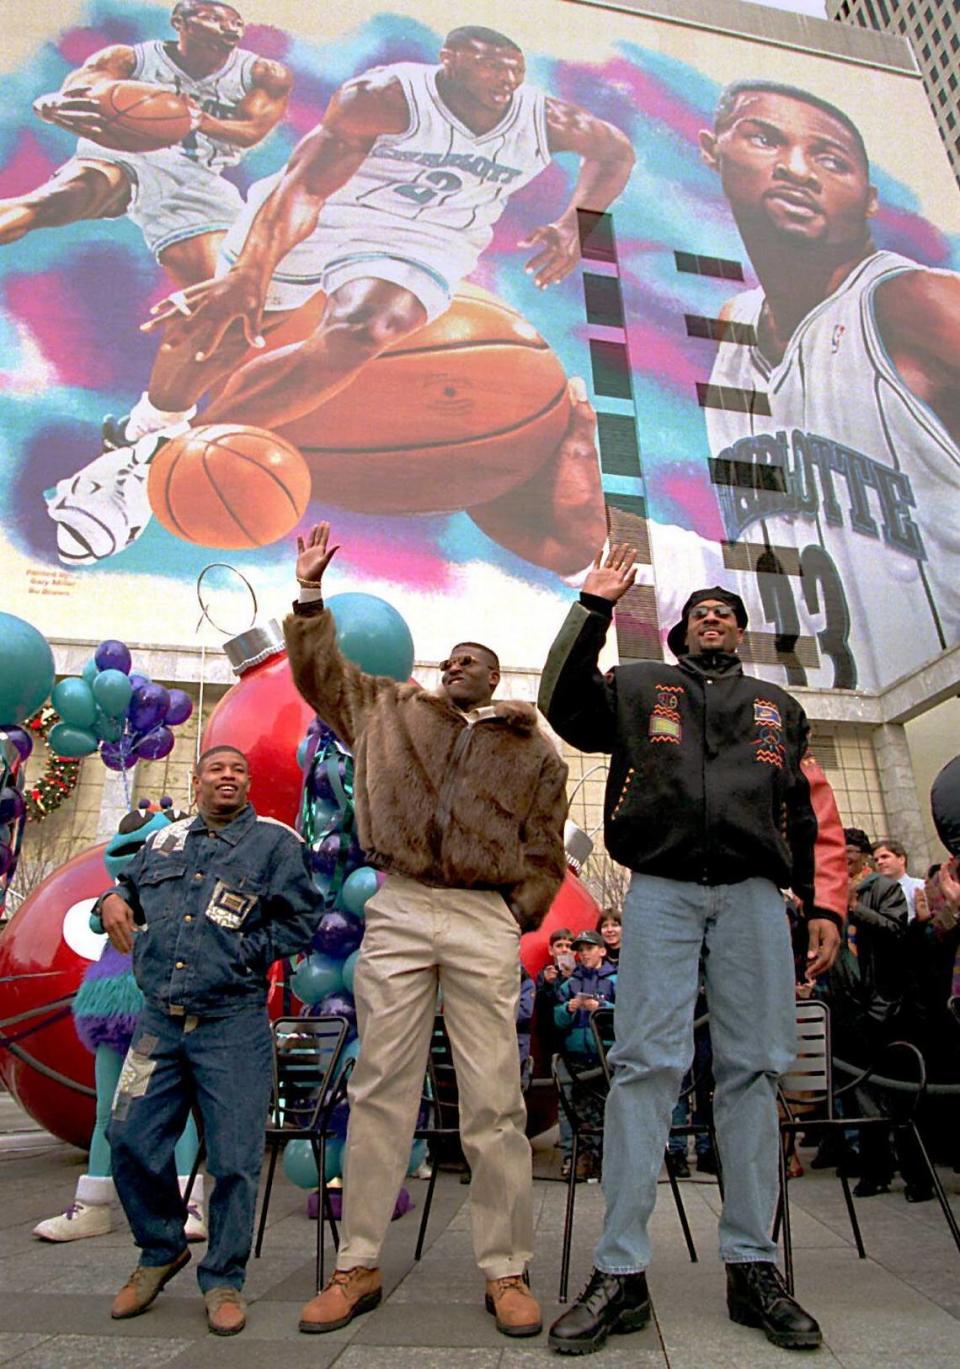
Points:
x=391, y=260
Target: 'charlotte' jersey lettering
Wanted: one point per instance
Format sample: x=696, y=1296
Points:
x=438, y=172
x=218, y=94
x=864, y=470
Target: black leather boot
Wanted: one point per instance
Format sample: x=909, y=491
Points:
x=610, y=1304
x=757, y=1296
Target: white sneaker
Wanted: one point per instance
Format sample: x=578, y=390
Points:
x=79, y=1221
x=195, y=1227
x=103, y=508
x=422, y=1171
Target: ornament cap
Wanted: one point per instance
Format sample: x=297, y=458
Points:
x=257, y=644
x=577, y=845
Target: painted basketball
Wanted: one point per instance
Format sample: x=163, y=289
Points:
x=456, y=414
x=228, y=486
x=140, y=117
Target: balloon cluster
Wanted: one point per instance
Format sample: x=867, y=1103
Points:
x=373, y=635
x=26, y=678
x=117, y=711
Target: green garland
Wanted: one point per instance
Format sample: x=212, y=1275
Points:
x=59, y=779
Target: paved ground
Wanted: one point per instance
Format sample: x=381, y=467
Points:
x=900, y=1307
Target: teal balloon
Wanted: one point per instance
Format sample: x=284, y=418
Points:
x=26, y=669
x=299, y=1165
x=302, y=752
x=333, y=1160
x=349, y=970
x=112, y=690
x=357, y=888
x=351, y=1050
x=72, y=742
x=315, y=977
x=73, y=699
x=372, y=634
x=107, y=729
x=90, y=671
x=418, y=1153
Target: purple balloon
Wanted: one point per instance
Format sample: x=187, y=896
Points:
x=115, y=756
x=179, y=708
x=338, y=1004
x=137, y=680
x=113, y=655
x=338, y=934
x=21, y=740
x=12, y=806
x=320, y=778
x=327, y=855
x=155, y=745
x=148, y=707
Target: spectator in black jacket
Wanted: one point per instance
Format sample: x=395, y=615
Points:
x=714, y=804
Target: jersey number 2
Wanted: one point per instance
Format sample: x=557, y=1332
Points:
x=429, y=187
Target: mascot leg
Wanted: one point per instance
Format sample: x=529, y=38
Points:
x=195, y=1228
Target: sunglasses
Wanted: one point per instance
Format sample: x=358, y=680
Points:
x=461, y=658
x=718, y=610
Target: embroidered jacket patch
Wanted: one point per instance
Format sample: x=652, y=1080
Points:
x=228, y=907
x=768, y=745
x=665, y=724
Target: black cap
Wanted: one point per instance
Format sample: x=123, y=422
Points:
x=591, y=938
x=677, y=636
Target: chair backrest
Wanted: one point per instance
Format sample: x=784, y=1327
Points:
x=808, y=1079
x=601, y=1024
x=307, y=1058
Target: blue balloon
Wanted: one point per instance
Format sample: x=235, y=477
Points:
x=339, y=1118
x=12, y=806
x=350, y=969
x=112, y=690
x=113, y=655
x=315, y=977
x=71, y=742
x=137, y=679
x=358, y=887
x=26, y=669
x=299, y=1164
x=117, y=756
x=155, y=745
x=73, y=699
x=338, y=934
x=372, y=634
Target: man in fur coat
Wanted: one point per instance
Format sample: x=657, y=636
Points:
x=461, y=801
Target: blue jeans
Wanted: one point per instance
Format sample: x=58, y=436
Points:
x=741, y=929
x=224, y=1065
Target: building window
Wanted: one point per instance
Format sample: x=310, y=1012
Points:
x=884, y=12
x=720, y=329
x=603, y=300
x=951, y=120
x=698, y=265
x=734, y=400
x=926, y=52
x=941, y=98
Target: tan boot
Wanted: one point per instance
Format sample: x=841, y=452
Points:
x=143, y=1285
x=514, y=1306
x=226, y=1310
x=349, y=1293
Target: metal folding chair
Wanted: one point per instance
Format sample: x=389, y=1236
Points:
x=809, y=1081
x=309, y=1080
x=439, y=1105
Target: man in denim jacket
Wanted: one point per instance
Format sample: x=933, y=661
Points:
x=207, y=906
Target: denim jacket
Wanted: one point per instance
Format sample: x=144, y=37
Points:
x=215, y=908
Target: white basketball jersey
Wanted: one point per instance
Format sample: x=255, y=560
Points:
x=866, y=473
x=437, y=172
x=218, y=94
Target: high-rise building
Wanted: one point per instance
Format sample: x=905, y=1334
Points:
x=933, y=29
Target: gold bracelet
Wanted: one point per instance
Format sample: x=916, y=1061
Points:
x=309, y=584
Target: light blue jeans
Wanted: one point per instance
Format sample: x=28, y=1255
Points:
x=742, y=932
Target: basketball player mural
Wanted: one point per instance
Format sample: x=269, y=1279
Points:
x=385, y=207
x=857, y=352
x=176, y=196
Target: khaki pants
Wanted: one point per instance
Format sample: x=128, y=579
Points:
x=466, y=942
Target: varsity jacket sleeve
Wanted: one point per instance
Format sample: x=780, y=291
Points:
x=815, y=834
x=339, y=691
x=579, y=702
x=543, y=855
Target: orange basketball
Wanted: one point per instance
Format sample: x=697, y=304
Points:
x=228, y=486
x=455, y=414
x=140, y=117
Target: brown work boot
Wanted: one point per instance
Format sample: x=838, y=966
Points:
x=514, y=1306
x=349, y=1293
x=226, y=1310
x=144, y=1284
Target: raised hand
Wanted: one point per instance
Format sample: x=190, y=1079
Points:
x=611, y=577
x=559, y=252
x=209, y=308
x=314, y=554
x=72, y=110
